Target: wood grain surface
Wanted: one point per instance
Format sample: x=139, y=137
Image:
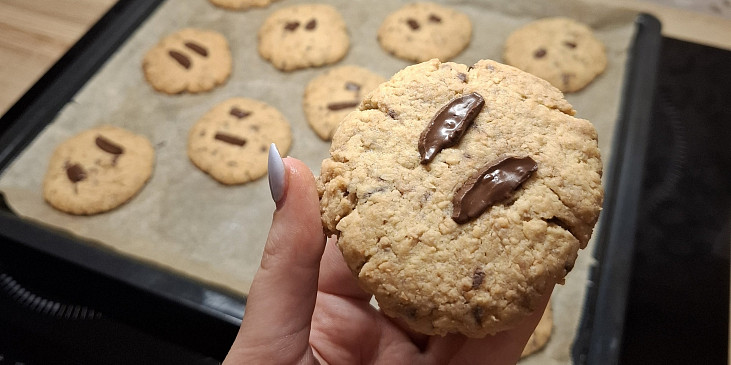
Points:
x=36, y=33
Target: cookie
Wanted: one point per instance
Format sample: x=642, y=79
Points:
x=231, y=141
x=241, y=4
x=461, y=194
x=190, y=60
x=541, y=334
x=302, y=36
x=422, y=31
x=560, y=50
x=97, y=170
x=332, y=95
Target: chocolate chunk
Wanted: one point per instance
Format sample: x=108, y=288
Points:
x=342, y=105
x=182, y=59
x=413, y=24
x=311, y=24
x=435, y=18
x=462, y=77
x=291, y=26
x=391, y=113
x=230, y=139
x=477, y=313
x=197, y=48
x=477, y=277
x=540, y=53
x=491, y=184
x=108, y=146
x=351, y=86
x=238, y=113
x=75, y=173
x=569, y=44
x=448, y=126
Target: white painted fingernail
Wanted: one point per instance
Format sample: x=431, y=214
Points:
x=276, y=173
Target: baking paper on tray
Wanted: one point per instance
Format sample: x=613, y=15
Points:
x=188, y=223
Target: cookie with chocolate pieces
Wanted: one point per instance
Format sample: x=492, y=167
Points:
x=460, y=194
x=189, y=60
x=421, y=31
x=561, y=50
x=231, y=141
x=302, y=36
x=330, y=96
x=98, y=170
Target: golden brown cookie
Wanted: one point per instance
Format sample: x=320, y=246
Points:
x=97, y=170
x=301, y=36
x=231, y=141
x=241, y=4
x=561, y=50
x=424, y=30
x=541, y=334
x=461, y=194
x=190, y=60
x=330, y=96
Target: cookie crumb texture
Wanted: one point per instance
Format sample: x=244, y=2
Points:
x=231, y=141
x=97, y=170
x=393, y=214
x=421, y=31
x=302, y=36
x=560, y=50
x=190, y=60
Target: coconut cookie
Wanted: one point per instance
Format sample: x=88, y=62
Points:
x=302, y=36
x=241, y=4
x=332, y=95
x=461, y=194
x=97, y=170
x=560, y=50
x=190, y=60
x=422, y=31
x=231, y=141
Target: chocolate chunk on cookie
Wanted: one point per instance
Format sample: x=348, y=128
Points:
x=190, y=60
x=97, y=170
x=524, y=171
x=330, y=96
x=231, y=141
x=424, y=30
x=561, y=50
x=302, y=36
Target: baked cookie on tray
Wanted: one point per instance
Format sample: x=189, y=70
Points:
x=421, y=31
x=190, y=60
x=460, y=194
x=561, y=50
x=330, y=96
x=241, y=4
x=231, y=141
x=540, y=336
x=97, y=170
x=302, y=36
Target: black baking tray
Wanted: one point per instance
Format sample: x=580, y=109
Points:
x=206, y=319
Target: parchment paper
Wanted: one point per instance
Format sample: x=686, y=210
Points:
x=188, y=223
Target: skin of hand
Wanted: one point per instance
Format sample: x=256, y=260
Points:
x=305, y=306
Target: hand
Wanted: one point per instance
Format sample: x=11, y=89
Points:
x=306, y=307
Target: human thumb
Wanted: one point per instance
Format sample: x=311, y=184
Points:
x=276, y=325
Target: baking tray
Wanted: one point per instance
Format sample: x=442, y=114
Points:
x=206, y=318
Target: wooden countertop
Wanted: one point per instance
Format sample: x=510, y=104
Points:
x=35, y=34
